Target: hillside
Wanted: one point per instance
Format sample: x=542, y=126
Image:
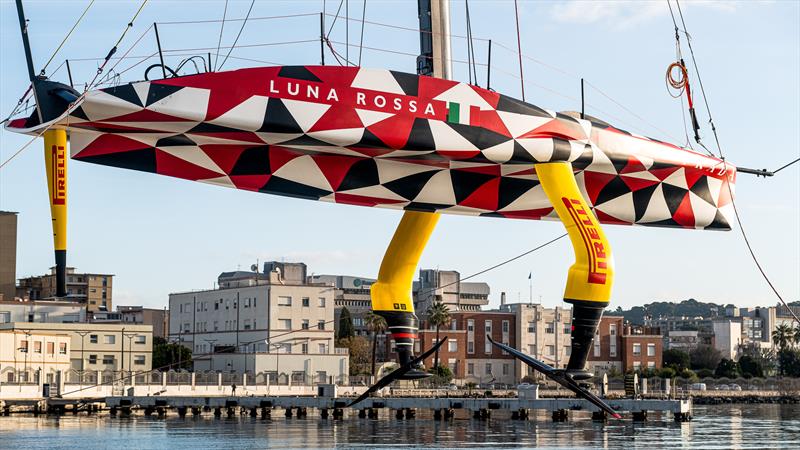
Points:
x=689, y=308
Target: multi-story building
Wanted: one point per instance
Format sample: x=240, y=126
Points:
x=607, y=350
x=351, y=293
x=687, y=340
x=641, y=348
x=42, y=311
x=156, y=318
x=91, y=289
x=728, y=337
x=275, y=322
x=94, y=346
x=543, y=333
x=8, y=255
x=30, y=355
x=446, y=286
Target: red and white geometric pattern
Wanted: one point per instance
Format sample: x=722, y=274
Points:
x=383, y=138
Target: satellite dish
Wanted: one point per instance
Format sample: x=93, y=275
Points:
x=254, y=268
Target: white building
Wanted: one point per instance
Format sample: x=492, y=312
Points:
x=274, y=322
x=727, y=337
x=43, y=311
x=32, y=355
x=543, y=333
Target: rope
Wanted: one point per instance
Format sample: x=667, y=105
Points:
x=519, y=51
x=361, y=41
x=63, y=41
x=471, y=69
x=251, y=19
x=253, y=2
x=221, y=29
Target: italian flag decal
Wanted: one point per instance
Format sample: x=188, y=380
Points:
x=457, y=113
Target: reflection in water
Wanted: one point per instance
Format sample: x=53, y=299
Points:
x=724, y=426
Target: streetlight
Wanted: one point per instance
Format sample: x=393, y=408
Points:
x=82, y=334
x=130, y=350
x=210, y=354
x=27, y=350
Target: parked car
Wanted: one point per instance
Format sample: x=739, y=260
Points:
x=697, y=387
x=734, y=387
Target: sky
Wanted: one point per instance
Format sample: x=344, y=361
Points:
x=159, y=235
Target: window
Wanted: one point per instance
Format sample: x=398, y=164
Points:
x=62, y=348
x=138, y=360
x=612, y=329
x=651, y=349
x=93, y=339
x=470, y=325
x=108, y=359
x=284, y=301
x=37, y=347
x=286, y=324
x=651, y=364
x=549, y=327
x=5, y=317
x=452, y=346
x=487, y=325
x=531, y=327
x=246, y=324
x=567, y=328
x=23, y=346
x=596, y=345
x=321, y=325
x=322, y=349
x=505, y=326
x=304, y=348
x=567, y=350
x=306, y=302
x=470, y=369
x=551, y=350
x=637, y=365
x=321, y=302
x=505, y=369
x=637, y=349
x=305, y=324
x=110, y=339
x=487, y=346
x=51, y=348
x=92, y=359
x=140, y=339
x=488, y=368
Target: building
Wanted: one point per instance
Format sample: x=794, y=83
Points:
x=543, y=333
x=156, y=318
x=446, y=286
x=8, y=255
x=93, y=346
x=91, y=289
x=351, y=293
x=607, y=349
x=276, y=322
x=642, y=348
x=42, y=311
x=687, y=340
x=30, y=355
x=728, y=337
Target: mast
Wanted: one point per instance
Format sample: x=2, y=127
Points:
x=434, y=39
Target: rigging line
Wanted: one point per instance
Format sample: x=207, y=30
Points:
x=253, y=2
x=66, y=37
x=347, y=31
x=415, y=30
x=125, y=55
x=519, y=51
x=699, y=80
x=481, y=272
x=785, y=166
x=341, y=3
x=221, y=29
x=285, y=16
x=471, y=68
x=361, y=42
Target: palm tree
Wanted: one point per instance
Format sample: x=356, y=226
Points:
x=797, y=335
x=376, y=324
x=783, y=336
x=438, y=316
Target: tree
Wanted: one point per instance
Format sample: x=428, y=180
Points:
x=438, y=316
x=750, y=367
x=376, y=324
x=346, y=329
x=727, y=368
x=666, y=372
x=358, y=348
x=676, y=359
x=441, y=374
x=789, y=362
x=783, y=336
x=704, y=357
x=168, y=355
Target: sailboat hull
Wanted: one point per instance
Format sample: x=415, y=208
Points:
x=388, y=139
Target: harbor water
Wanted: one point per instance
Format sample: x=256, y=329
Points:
x=714, y=427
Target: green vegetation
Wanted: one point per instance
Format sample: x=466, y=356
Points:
x=438, y=316
x=345, y=329
x=168, y=355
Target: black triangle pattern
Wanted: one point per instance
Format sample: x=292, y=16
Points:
x=160, y=91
